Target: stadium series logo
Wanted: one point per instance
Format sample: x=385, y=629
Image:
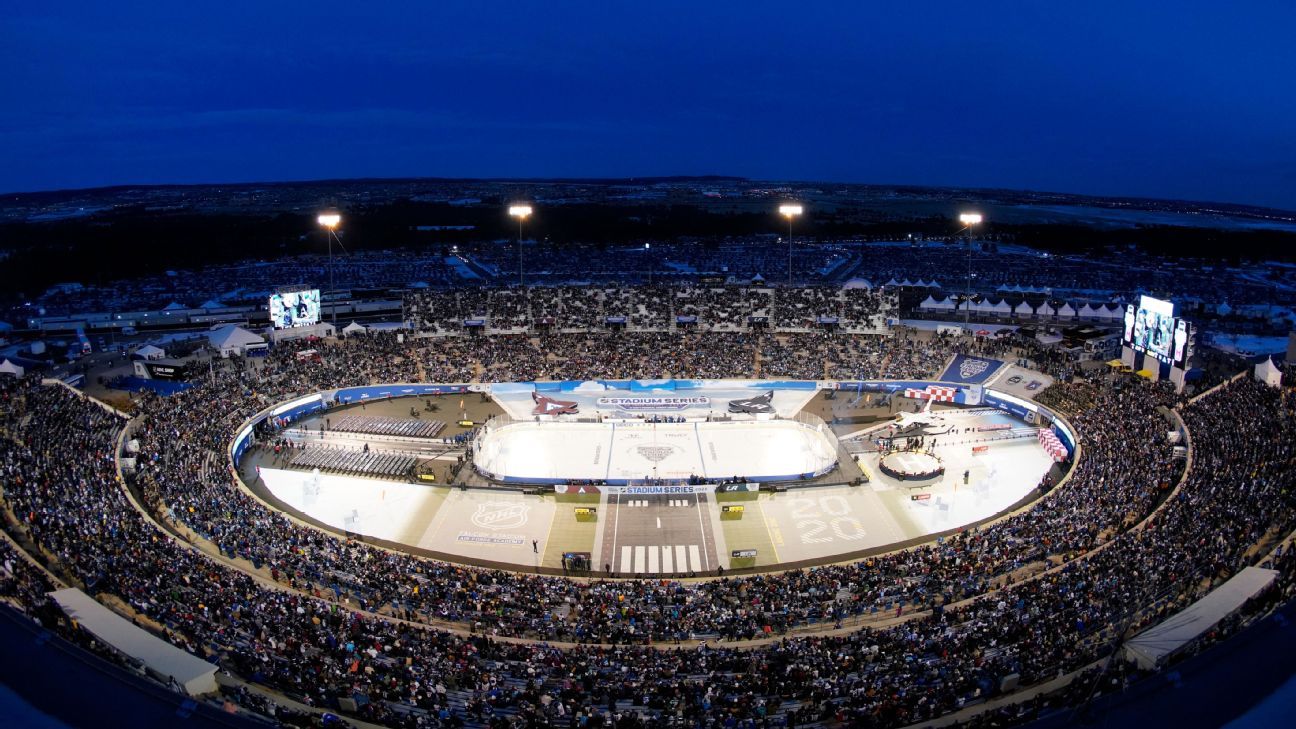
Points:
x=656, y=453
x=635, y=404
x=970, y=368
x=500, y=515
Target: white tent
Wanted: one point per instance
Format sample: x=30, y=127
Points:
x=353, y=328
x=1066, y=312
x=231, y=339
x=1151, y=647
x=1268, y=373
x=855, y=283
x=1088, y=312
x=1023, y=309
x=1003, y=308
x=1045, y=310
x=1110, y=312
x=173, y=306
x=929, y=303
x=164, y=660
x=7, y=367
x=148, y=351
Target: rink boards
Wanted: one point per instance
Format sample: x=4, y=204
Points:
x=620, y=452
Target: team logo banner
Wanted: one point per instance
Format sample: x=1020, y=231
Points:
x=545, y=405
x=753, y=405
x=973, y=370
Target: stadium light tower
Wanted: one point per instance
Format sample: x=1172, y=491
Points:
x=790, y=211
x=968, y=220
x=329, y=220
x=520, y=212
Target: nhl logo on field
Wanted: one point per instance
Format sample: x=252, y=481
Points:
x=500, y=515
x=972, y=367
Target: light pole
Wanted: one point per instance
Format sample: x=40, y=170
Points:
x=790, y=211
x=520, y=212
x=648, y=254
x=329, y=221
x=968, y=220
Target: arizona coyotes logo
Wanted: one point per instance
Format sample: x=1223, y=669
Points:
x=545, y=405
x=970, y=368
x=500, y=515
x=759, y=404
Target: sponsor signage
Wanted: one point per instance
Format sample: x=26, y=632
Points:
x=733, y=509
x=653, y=403
x=978, y=450
x=742, y=553
x=920, y=497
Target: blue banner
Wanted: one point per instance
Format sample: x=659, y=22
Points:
x=969, y=369
x=356, y=394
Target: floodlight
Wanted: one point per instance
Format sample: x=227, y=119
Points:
x=519, y=211
x=790, y=210
x=970, y=218
x=329, y=220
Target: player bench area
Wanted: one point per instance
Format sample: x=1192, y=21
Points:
x=378, y=425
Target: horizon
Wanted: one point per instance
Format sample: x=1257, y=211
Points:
x=1105, y=101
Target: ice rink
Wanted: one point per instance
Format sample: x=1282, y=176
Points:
x=622, y=451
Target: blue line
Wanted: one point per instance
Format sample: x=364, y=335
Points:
x=701, y=453
x=608, y=473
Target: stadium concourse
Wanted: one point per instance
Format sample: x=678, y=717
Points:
x=899, y=638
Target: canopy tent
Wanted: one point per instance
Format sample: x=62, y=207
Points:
x=1109, y=311
x=1045, y=309
x=1023, y=309
x=7, y=367
x=354, y=328
x=149, y=351
x=1003, y=308
x=1066, y=312
x=195, y=675
x=1151, y=647
x=232, y=339
x=1087, y=312
x=858, y=283
x=173, y=306
x=1268, y=373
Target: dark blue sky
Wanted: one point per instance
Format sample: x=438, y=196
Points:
x=1168, y=99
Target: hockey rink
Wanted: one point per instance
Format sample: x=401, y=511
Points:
x=632, y=451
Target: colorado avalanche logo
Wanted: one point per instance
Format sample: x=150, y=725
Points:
x=970, y=368
x=545, y=405
x=759, y=404
x=500, y=515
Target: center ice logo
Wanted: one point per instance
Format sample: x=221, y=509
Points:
x=500, y=515
x=656, y=453
x=970, y=368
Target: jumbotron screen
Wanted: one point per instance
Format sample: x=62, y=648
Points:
x=295, y=309
x=1150, y=328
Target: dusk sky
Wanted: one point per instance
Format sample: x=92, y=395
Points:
x=1184, y=100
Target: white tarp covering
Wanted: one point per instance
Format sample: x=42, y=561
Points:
x=1157, y=643
x=149, y=351
x=354, y=328
x=1268, y=373
x=7, y=367
x=232, y=339
x=194, y=674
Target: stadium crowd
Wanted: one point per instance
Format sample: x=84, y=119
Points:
x=1036, y=594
